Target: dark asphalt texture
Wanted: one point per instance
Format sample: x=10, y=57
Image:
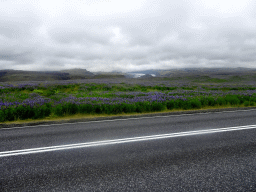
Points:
x=212, y=162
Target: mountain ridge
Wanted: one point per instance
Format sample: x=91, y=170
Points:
x=77, y=73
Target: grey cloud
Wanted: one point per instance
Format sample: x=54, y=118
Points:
x=85, y=35
x=24, y=57
x=18, y=22
x=158, y=34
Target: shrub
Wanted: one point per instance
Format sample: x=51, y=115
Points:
x=2, y=116
x=246, y=103
x=186, y=105
x=108, y=109
x=72, y=108
x=85, y=108
x=58, y=110
x=252, y=103
x=170, y=104
x=128, y=108
x=48, y=93
x=196, y=104
x=207, y=101
x=157, y=106
x=38, y=91
x=140, y=107
x=97, y=109
x=204, y=101
x=178, y=104
x=232, y=99
x=220, y=101
x=41, y=112
x=242, y=99
x=66, y=109
x=211, y=101
x=9, y=114
x=253, y=99
x=22, y=112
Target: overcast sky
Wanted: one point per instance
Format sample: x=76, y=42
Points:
x=106, y=35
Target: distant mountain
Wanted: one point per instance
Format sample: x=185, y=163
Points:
x=113, y=74
x=71, y=74
x=18, y=75
x=214, y=72
x=221, y=73
x=78, y=73
x=147, y=76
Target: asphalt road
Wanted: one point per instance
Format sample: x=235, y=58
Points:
x=190, y=152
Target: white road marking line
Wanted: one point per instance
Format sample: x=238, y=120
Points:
x=132, y=118
x=119, y=141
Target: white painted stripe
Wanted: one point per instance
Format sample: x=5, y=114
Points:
x=127, y=119
x=119, y=141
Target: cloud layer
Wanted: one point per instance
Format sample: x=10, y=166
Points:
x=106, y=35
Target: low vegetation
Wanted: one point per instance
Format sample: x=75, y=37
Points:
x=38, y=100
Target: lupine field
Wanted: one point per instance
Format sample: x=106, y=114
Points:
x=38, y=100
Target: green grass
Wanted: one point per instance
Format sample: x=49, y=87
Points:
x=54, y=118
x=197, y=98
x=207, y=79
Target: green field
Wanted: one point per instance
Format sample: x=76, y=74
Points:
x=58, y=99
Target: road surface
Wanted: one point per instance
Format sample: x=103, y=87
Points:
x=189, y=152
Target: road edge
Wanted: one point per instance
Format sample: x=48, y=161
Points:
x=47, y=122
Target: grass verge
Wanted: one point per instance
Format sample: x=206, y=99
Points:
x=94, y=117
